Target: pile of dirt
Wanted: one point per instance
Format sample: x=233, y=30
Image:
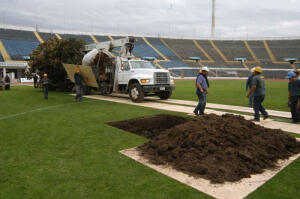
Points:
x=149, y=127
x=217, y=148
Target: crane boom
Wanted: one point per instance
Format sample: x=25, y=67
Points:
x=109, y=45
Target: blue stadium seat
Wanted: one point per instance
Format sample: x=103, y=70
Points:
x=18, y=49
x=1, y=58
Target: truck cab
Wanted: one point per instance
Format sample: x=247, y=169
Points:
x=142, y=78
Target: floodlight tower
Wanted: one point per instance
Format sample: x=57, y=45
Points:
x=213, y=25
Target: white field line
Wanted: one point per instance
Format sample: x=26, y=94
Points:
x=38, y=109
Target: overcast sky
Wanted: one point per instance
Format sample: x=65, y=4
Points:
x=179, y=18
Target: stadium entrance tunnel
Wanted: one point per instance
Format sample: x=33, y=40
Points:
x=220, y=149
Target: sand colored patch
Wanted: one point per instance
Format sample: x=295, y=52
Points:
x=237, y=190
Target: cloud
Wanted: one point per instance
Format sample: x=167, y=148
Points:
x=181, y=18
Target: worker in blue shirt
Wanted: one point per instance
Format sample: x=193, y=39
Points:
x=248, y=86
x=202, y=91
x=294, y=96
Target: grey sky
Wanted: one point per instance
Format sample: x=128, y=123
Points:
x=180, y=18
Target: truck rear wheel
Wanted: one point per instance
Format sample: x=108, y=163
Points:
x=165, y=95
x=136, y=92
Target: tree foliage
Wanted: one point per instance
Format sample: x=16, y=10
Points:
x=49, y=57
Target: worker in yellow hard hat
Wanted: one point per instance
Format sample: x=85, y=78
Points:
x=259, y=91
x=45, y=82
x=248, y=86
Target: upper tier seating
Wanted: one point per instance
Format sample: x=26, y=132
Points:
x=259, y=50
x=85, y=38
x=185, y=48
x=19, y=35
x=1, y=58
x=282, y=49
x=46, y=36
x=233, y=49
x=101, y=38
x=141, y=49
x=18, y=49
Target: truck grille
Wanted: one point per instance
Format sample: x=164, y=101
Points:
x=161, y=78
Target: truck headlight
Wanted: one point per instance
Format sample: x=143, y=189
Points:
x=145, y=81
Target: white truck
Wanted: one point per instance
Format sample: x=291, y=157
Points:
x=124, y=73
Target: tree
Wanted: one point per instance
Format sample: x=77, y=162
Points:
x=49, y=57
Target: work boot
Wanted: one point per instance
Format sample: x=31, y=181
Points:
x=254, y=120
x=265, y=117
x=196, y=113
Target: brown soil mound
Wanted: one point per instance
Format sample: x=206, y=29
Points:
x=149, y=127
x=218, y=148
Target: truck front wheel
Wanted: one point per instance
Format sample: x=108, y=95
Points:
x=164, y=95
x=136, y=92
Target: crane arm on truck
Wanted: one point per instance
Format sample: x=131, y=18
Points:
x=126, y=44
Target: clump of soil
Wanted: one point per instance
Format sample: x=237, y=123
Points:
x=149, y=127
x=217, y=148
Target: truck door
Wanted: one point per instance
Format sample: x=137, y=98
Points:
x=124, y=73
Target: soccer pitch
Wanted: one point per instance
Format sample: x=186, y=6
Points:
x=60, y=149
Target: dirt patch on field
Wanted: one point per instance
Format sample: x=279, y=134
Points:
x=217, y=148
x=149, y=127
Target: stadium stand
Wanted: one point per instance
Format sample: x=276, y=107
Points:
x=18, y=49
x=234, y=49
x=46, y=36
x=173, y=54
x=185, y=48
x=141, y=49
x=282, y=49
x=259, y=50
x=85, y=38
x=101, y=38
x=19, y=35
x=156, y=42
x=1, y=58
x=208, y=48
x=175, y=61
x=263, y=57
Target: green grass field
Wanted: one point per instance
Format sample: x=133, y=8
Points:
x=60, y=149
x=232, y=92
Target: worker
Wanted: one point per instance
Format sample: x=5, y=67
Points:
x=248, y=86
x=78, y=85
x=45, y=82
x=294, y=96
x=7, y=82
x=259, y=91
x=201, y=91
x=35, y=80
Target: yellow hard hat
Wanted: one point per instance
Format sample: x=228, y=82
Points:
x=45, y=75
x=258, y=69
x=200, y=71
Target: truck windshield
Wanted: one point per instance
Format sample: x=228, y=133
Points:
x=141, y=64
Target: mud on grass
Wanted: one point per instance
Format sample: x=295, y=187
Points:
x=217, y=148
